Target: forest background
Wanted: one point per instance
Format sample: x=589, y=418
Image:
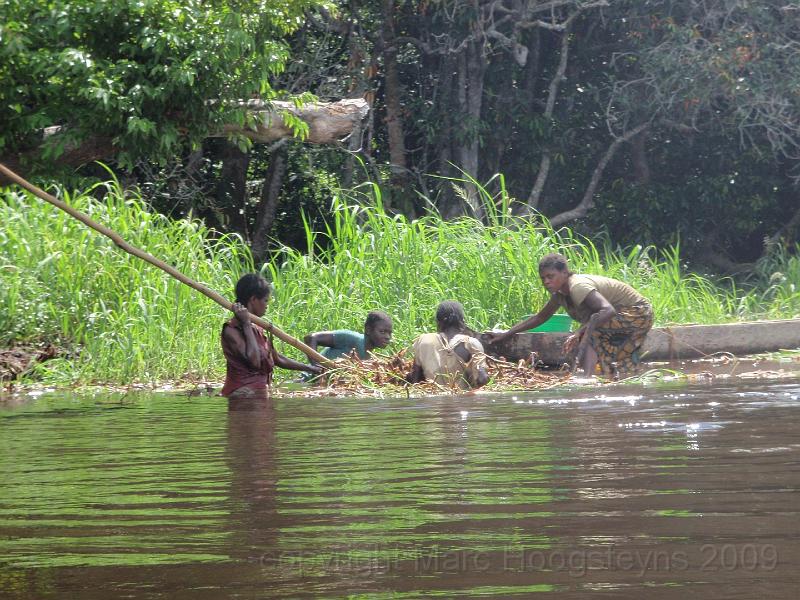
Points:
x=672, y=124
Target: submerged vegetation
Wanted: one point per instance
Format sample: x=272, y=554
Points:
x=123, y=320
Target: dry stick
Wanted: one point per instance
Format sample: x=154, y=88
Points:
x=312, y=354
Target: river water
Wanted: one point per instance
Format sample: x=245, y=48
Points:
x=669, y=491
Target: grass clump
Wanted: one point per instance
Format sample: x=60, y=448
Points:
x=367, y=259
x=123, y=319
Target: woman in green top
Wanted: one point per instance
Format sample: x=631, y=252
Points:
x=614, y=317
x=341, y=342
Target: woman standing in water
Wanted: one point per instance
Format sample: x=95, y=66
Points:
x=250, y=357
x=614, y=317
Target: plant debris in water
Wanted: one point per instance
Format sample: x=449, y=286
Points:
x=382, y=376
x=18, y=360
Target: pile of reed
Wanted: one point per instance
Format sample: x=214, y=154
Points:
x=19, y=359
x=384, y=376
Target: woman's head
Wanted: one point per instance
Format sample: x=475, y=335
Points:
x=378, y=328
x=450, y=314
x=253, y=291
x=554, y=272
x=554, y=261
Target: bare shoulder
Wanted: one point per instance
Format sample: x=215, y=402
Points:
x=231, y=333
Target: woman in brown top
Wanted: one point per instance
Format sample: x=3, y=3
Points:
x=449, y=356
x=614, y=317
x=250, y=357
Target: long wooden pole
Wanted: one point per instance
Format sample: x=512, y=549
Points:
x=312, y=354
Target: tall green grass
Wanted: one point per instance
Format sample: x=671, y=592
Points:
x=124, y=319
x=128, y=321
x=369, y=259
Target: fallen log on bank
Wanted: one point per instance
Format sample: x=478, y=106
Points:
x=327, y=123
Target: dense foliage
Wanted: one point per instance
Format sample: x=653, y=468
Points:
x=124, y=320
x=149, y=77
x=62, y=283
x=643, y=120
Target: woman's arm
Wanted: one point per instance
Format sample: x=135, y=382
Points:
x=243, y=342
x=602, y=312
x=320, y=338
x=284, y=362
x=481, y=378
x=416, y=374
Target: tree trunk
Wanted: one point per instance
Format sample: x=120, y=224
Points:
x=362, y=72
x=641, y=169
x=392, y=94
x=268, y=203
x=399, y=195
x=532, y=67
x=446, y=92
x=534, y=198
x=231, y=193
x=471, y=71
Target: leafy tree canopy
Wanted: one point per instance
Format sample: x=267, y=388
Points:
x=145, y=76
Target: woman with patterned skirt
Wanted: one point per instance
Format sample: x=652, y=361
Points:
x=614, y=317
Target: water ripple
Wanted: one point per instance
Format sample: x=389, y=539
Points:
x=664, y=492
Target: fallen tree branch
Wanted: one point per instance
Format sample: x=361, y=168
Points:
x=327, y=123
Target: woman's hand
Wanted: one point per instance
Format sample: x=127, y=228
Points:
x=572, y=341
x=240, y=310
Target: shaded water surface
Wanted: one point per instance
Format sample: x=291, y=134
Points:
x=661, y=492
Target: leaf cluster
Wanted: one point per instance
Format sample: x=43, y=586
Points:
x=147, y=75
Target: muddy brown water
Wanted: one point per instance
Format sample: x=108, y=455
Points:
x=667, y=491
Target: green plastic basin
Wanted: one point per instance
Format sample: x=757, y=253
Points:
x=555, y=323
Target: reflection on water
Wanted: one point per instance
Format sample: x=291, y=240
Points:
x=665, y=492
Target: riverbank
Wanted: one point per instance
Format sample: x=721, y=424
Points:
x=63, y=283
x=17, y=361
x=507, y=378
